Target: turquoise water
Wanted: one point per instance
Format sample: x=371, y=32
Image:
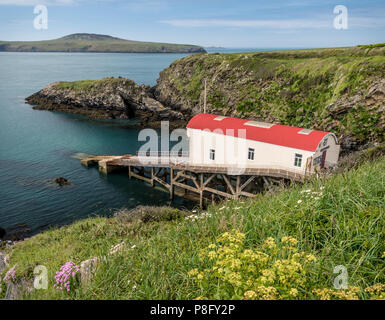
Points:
x=38, y=146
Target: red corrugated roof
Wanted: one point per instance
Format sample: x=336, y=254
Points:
x=277, y=134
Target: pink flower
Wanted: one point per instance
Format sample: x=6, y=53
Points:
x=11, y=274
x=66, y=276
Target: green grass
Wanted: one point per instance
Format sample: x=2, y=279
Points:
x=90, y=85
x=346, y=226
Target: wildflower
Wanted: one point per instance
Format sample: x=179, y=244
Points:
x=269, y=243
x=193, y=272
x=117, y=248
x=290, y=240
x=250, y=295
x=268, y=276
x=299, y=201
x=293, y=292
x=66, y=276
x=200, y=276
x=11, y=274
x=311, y=258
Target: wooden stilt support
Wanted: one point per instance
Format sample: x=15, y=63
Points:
x=238, y=188
x=172, y=184
x=201, y=186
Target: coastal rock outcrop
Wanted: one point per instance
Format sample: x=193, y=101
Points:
x=108, y=98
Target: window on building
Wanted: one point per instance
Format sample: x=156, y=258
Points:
x=298, y=160
x=251, y=154
x=212, y=154
x=325, y=142
x=317, y=161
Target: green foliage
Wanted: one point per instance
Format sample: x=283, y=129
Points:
x=340, y=220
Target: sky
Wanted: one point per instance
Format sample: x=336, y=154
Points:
x=219, y=23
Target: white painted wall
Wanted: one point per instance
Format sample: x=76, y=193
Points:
x=332, y=150
x=233, y=152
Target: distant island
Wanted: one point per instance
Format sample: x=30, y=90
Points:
x=86, y=42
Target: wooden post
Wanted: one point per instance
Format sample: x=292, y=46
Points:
x=201, y=191
x=129, y=172
x=171, y=184
x=205, y=97
x=238, y=187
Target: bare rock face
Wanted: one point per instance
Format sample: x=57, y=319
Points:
x=87, y=270
x=108, y=98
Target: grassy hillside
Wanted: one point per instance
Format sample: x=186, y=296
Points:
x=340, y=90
x=96, y=43
x=281, y=245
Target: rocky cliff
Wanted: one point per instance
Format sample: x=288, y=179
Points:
x=340, y=90
x=108, y=98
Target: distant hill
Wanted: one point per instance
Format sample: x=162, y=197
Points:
x=86, y=42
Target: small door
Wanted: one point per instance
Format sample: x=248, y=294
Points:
x=323, y=159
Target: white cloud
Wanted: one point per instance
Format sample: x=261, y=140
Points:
x=276, y=24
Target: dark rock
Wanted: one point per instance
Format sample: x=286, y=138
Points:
x=2, y=233
x=62, y=181
x=17, y=233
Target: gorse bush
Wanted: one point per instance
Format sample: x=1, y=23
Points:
x=272, y=271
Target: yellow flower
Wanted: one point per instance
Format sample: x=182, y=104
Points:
x=250, y=295
x=310, y=258
x=193, y=272
x=269, y=243
x=293, y=292
x=290, y=240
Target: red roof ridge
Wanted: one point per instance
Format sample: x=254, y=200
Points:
x=276, y=134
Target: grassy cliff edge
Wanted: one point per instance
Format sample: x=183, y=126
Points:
x=338, y=220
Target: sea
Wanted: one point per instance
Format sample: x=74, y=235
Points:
x=38, y=146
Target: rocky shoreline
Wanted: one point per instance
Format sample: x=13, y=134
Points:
x=108, y=98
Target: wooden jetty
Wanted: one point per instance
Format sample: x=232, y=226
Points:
x=178, y=177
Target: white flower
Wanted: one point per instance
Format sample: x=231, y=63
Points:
x=299, y=201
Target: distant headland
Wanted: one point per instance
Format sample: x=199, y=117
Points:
x=86, y=42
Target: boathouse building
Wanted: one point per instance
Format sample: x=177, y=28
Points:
x=232, y=142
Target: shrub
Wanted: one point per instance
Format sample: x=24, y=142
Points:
x=275, y=270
